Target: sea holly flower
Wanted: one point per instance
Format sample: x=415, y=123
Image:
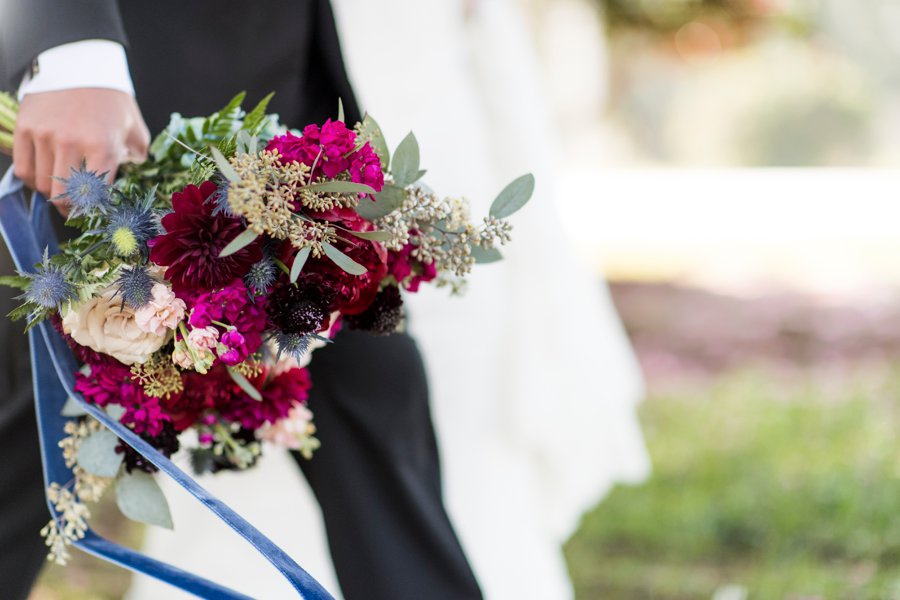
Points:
x=135, y=286
x=131, y=226
x=48, y=287
x=262, y=275
x=86, y=191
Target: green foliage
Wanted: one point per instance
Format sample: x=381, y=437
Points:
x=385, y=202
x=245, y=385
x=786, y=488
x=140, y=498
x=256, y=118
x=243, y=240
x=299, y=262
x=484, y=257
x=97, y=454
x=513, y=197
x=342, y=260
x=405, y=165
x=370, y=131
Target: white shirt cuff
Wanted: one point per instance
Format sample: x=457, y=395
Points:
x=82, y=64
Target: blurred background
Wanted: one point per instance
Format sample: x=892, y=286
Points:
x=728, y=166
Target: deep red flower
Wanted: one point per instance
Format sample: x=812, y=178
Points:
x=409, y=272
x=193, y=240
x=279, y=396
x=353, y=293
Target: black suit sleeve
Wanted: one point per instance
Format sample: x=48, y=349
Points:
x=28, y=27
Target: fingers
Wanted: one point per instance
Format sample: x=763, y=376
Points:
x=68, y=156
x=43, y=165
x=137, y=142
x=23, y=155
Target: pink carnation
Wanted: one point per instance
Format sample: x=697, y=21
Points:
x=162, y=313
x=203, y=338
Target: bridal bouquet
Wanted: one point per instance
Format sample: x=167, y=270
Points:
x=200, y=282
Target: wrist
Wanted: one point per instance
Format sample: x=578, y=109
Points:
x=82, y=64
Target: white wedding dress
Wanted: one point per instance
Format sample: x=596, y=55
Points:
x=534, y=385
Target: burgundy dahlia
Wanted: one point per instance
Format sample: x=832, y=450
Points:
x=193, y=240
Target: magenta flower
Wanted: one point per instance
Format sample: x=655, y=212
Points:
x=332, y=150
x=236, y=348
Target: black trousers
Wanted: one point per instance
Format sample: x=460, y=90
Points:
x=377, y=474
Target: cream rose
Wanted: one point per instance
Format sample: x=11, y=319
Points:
x=104, y=325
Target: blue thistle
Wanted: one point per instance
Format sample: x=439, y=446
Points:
x=292, y=344
x=261, y=275
x=220, y=199
x=86, y=191
x=135, y=285
x=132, y=225
x=48, y=287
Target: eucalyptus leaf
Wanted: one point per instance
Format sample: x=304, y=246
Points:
x=375, y=236
x=247, y=143
x=484, y=257
x=244, y=384
x=73, y=408
x=140, y=499
x=405, y=166
x=299, y=261
x=389, y=199
x=342, y=260
x=372, y=132
x=513, y=197
x=341, y=187
x=115, y=411
x=224, y=166
x=97, y=454
x=239, y=243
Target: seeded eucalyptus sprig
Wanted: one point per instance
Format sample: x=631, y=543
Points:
x=9, y=113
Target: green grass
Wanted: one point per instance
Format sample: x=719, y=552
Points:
x=787, y=488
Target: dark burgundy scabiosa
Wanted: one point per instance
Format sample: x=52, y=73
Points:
x=166, y=441
x=193, y=240
x=303, y=308
x=384, y=314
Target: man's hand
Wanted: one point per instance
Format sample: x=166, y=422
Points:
x=57, y=130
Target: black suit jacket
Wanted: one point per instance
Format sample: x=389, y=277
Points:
x=192, y=56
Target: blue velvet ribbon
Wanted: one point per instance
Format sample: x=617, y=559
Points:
x=27, y=231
